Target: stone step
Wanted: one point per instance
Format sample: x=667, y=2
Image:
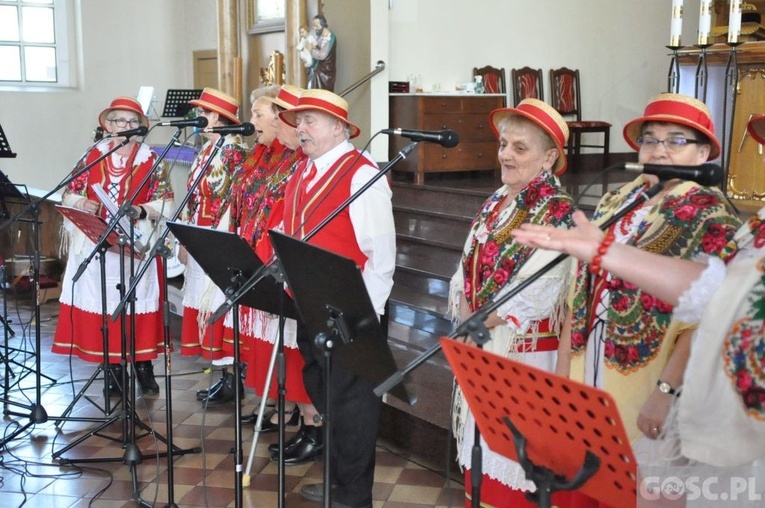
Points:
x=437, y=227
x=426, y=258
x=451, y=201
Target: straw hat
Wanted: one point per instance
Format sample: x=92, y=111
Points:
x=324, y=101
x=287, y=97
x=756, y=128
x=544, y=116
x=219, y=102
x=678, y=109
x=123, y=104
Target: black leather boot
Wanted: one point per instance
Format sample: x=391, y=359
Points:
x=114, y=380
x=202, y=394
x=144, y=372
x=225, y=393
x=308, y=446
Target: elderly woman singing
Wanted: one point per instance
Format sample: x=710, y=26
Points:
x=531, y=154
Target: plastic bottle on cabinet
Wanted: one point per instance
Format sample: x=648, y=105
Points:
x=479, y=88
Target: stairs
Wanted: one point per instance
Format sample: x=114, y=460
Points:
x=431, y=226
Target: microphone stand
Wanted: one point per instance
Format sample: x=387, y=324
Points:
x=37, y=413
x=159, y=243
x=259, y=275
x=254, y=280
x=474, y=327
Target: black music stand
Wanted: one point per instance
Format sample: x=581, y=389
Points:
x=335, y=308
x=177, y=102
x=229, y=271
x=555, y=423
x=5, y=147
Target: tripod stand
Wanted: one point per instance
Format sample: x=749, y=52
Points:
x=228, y=274
x=342, y=325
x=36, y=412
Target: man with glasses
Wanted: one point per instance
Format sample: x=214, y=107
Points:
x=79, y=330
x=624, y=340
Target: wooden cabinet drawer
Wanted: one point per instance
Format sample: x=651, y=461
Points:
x=459, y=104
x=465, y=156
x=469, y=127
x=467, y=115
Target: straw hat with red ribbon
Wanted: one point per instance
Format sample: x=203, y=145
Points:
x=756, y=128
x=219, y=102
x=324, y=101
x=288, y=96
x=545, y=117
x=677, y=109
x=123, y=104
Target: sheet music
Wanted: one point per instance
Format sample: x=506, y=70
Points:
x=113, y=209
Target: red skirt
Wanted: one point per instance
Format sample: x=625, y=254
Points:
x=258, y=358
x=79, y=333
x=194, y=343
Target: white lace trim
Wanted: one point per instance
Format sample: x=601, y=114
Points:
x=691, y=304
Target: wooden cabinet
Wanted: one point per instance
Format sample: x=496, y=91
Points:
x=467, y=115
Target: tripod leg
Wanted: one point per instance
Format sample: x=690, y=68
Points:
x=261, y=412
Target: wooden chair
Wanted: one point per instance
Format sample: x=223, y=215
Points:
x=493, y=78
x=527, y=84
x=566, y=99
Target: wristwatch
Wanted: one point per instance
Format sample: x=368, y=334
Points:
x=665, y=387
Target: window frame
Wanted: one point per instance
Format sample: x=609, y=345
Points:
x=65, y=26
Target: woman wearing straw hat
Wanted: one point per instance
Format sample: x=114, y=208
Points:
x=209, y=207
x=622, y=339
x=258, y=206
x=532, y=137
x=79, y=331
x=721, y=414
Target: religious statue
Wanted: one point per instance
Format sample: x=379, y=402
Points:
x=322, y=72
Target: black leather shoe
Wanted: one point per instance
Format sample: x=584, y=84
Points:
x=267, y=425
x=308, y=447
x=315, y=492
x=226, y=392
x=144, y=372
x=114, y=375
x=251, y=418
x=202, y=394
x=273, y=448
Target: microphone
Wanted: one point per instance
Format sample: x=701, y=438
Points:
x=199, y=122
x=707, y=174
x=138, y=131
x=245, y=129
x=446, y=138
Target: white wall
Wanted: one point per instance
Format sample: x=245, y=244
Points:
x=618, y=46
x=125, y=44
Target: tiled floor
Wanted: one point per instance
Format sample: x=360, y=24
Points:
x=31, y=474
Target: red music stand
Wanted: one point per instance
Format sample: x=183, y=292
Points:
x=94, y=226
x=554, y=420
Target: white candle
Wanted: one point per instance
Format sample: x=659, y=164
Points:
x=705, y=22
x=734, y=21
x=676, y=25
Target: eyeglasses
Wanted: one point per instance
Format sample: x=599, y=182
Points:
x=122, y=122
x=671, y=144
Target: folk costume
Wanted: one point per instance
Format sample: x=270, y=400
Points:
x=208, y=207
x=259, y=208
x=492, y=264
x=622, y=337
x=79, y=329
